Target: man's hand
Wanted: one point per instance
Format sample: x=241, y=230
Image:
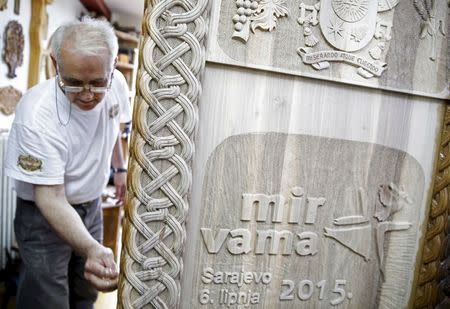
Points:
x=120, y=182
x=100, y=269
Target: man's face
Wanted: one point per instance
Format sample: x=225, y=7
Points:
x=76, y=70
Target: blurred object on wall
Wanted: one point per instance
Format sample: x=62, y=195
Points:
x=129, y=30
x=13, y=50
x=3, y=5
x=47, y=60
x=9, y=97
x=17, y=7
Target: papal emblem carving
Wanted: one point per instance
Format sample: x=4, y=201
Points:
x=330, y=35
x=348, y=25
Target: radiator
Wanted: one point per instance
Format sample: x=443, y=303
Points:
x=7, y=206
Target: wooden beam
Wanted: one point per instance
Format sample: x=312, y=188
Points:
x=38, y=21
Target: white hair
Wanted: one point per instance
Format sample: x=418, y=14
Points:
x=88, y=37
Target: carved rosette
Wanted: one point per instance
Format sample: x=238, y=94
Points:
x=165, y=115
x=433, y=282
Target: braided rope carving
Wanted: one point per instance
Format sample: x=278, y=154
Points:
x=164, y=119
x=433, y=276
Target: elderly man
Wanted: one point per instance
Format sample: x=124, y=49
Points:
x=64, y=135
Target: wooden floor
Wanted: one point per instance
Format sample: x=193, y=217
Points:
x=109, y=300
x=106, y=300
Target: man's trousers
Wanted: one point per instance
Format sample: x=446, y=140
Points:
x=52, y=275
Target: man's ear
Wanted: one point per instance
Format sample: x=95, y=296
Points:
x=53, y=61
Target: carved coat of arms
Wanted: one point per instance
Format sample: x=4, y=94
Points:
x=358, y=31
x=348, y=25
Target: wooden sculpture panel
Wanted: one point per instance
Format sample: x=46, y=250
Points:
x=266, y=189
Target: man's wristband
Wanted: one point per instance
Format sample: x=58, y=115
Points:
x=119, y=170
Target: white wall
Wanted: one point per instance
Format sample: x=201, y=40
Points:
x=19, y=82
x=59, y=12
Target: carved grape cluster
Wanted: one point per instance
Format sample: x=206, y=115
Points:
x=244, y=10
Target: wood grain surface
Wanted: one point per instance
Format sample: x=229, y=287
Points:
x=276, y=134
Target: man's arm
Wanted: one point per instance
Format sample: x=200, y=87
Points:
x=100, y=268
x=120, y=177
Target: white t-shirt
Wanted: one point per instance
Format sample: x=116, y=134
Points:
x=43, y=151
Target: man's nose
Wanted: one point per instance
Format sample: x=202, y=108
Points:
x=86, y=92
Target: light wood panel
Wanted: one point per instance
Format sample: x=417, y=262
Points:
x=349, y=170
x=267, y=133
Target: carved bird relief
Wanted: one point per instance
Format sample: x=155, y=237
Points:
x=13, y=50
x=392, y=199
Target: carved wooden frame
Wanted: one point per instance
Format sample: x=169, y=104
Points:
x=161, y=150
x=432, y=283
x=37, y=24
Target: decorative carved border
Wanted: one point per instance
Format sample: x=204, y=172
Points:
x=433, y=280
x=165, y=116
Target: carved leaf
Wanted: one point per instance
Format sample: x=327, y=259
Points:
x=267, y=13
x=426, y=28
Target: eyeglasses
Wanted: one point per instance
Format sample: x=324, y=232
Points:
x=88, y=87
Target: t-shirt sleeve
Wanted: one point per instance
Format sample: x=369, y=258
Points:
x=35, y=157
x=123, y=97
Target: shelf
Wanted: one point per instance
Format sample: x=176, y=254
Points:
x=128, y=38
x=124, y=66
